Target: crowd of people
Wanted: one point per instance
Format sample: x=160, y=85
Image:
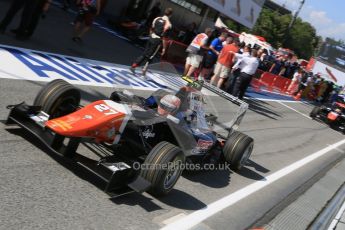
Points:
x=228, y=64
x=313, y=87
x=222, y=59
x=305, y=83
x=231, y=65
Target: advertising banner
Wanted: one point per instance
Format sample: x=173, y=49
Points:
x=330, y=73
x=245, y=12
x=24, y=64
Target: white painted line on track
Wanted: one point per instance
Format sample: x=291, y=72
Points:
x=304, y=115
x=199, y=216
x=174, y=218
x=339, y=150
x=274, y=100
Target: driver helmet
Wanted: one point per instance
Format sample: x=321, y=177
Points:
x=168, y=104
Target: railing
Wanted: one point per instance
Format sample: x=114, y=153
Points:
x=175, y=53
x=271, y=82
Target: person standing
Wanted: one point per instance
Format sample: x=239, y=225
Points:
x=250, y=65
x=225, y=61
x=303, y=83
x=160, y=27
x=322, y=89
x=291, y=66
x=263, y=58
x=327, y=93
x=277, y=66
x=236, y=68
x=88, y=10
x=41, y=7
x=194, y=51
x=293, y=87
x=211, y=56
x=28, y=8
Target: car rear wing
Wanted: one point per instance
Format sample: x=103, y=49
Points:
x=243, y=106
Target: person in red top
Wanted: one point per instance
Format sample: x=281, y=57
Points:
x=224, y=62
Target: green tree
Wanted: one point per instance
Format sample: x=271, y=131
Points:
x=301, y=38
x=271, y=26
x=235, y=26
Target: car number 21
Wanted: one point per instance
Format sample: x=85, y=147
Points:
x=105, y=109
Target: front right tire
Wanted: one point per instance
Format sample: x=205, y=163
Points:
x=316, y=110
x=237, y=150
x=155, y=168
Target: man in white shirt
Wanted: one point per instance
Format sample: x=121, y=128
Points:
x=236, y=69
x=249, y=65
x=160, y=26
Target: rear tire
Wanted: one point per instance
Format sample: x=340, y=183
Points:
x=163, y=179
x=315, y=112
x=237, y=150
x=58, y=98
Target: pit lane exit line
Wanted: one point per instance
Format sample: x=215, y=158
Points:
x=199, y=216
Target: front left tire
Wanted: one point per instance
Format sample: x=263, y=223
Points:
x=58, y=98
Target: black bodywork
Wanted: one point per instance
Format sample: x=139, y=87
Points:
x=332, y=114
x=116, y=163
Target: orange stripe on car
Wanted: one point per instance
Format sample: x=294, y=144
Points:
x=58, y=125
x=65, y=124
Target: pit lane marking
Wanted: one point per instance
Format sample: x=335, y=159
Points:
x=200, y=215
x=272, y=100
x=322, y=124
x=174, y=218
x=289, y=107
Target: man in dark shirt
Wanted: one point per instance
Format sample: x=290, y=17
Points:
x=17, y=5
x=40, y=7
x=160, y=27
x=211, y=56
x=277, y=66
